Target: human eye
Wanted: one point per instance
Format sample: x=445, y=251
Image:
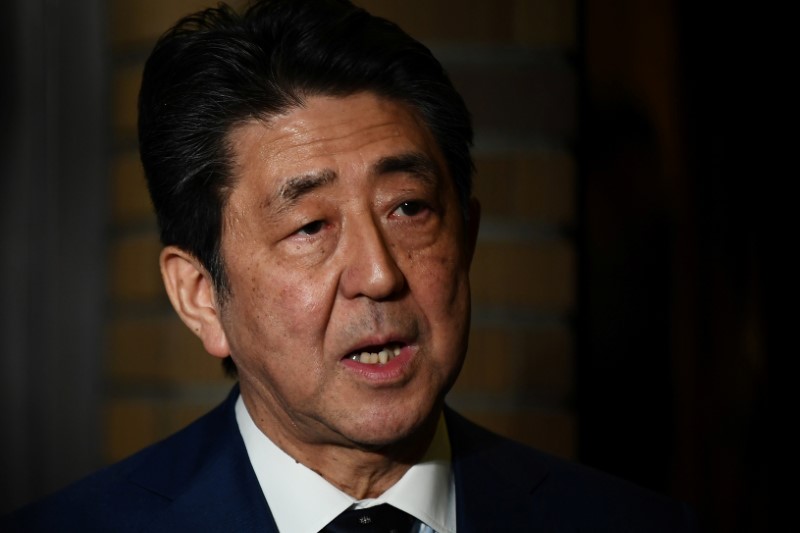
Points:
x=312, y=228
x=411, y=208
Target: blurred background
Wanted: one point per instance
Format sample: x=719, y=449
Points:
x=621, y=283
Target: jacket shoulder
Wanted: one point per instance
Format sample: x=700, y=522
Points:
x=536, y=489
x=124, y=496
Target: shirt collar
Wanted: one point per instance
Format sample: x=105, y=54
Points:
x=426, y=491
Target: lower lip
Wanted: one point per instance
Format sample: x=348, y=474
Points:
x=393, y=370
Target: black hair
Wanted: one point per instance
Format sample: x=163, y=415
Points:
x=216, y=69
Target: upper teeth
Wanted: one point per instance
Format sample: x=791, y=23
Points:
x=389, y=352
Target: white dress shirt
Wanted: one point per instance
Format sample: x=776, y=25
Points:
x=302, y=501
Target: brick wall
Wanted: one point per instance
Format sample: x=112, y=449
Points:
x=510, y=60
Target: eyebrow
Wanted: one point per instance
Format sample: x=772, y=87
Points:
x=416, y=164
x=298, y=186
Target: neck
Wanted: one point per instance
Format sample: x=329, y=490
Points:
x=361, y=470
x=360, y=473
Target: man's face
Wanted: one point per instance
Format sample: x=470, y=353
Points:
x=343, y=236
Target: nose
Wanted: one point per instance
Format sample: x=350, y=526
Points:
x=370, y=267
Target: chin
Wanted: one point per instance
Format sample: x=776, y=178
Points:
x=380, y=429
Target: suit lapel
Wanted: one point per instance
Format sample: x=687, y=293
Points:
x=222, y=497
x=205, y=472
x=488, y=468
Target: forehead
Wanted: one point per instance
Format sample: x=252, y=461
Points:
x=338, y=133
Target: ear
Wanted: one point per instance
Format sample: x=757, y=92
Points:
x=191, y=292
x=473, y=225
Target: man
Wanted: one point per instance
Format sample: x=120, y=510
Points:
x=310, y=168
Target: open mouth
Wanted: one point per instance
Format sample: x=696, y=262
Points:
x=373, y=355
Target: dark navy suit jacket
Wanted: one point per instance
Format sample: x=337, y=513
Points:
x=200, y=479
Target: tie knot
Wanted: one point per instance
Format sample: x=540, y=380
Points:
x=378, y=519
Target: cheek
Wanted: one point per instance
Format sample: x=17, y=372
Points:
x=292, y=302
x=275, y=324
x=440, y=284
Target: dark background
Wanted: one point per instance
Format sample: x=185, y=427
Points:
x=676, y=281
